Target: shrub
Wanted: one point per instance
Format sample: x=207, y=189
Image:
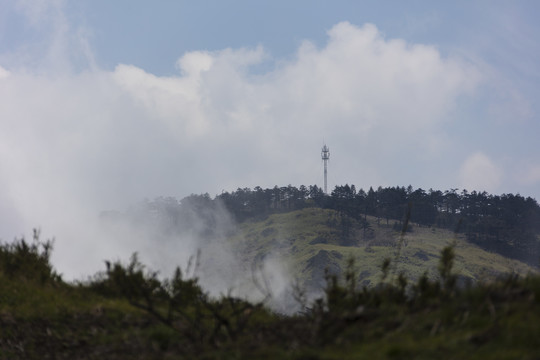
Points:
x=178, y=302
x=30, y=261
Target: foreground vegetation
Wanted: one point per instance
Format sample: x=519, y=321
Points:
x=126, y=312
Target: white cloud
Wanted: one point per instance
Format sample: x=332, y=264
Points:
x=53, y=44
x=76, y=143
x=3, y=73
x=479, y=172
x=529, y=174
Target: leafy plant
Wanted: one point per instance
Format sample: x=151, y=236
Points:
x=179, y=302
x=29, y=261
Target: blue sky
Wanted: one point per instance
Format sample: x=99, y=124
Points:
x=104, y=103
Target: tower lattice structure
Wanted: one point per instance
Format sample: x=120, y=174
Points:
x=325, y=155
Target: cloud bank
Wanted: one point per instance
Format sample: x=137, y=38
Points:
x=73, y=143
x=480, y=173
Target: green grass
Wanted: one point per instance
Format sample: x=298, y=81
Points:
x=293, y=237
x=72, y=322
x=46, y=320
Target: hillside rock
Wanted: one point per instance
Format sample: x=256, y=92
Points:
x=318, y=265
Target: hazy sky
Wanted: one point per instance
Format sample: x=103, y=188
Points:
x=104, y=103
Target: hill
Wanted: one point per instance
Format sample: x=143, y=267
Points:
x=310, y=240
x=507, y=224
x=285, y=238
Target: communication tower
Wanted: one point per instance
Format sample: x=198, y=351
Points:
x=325, y=155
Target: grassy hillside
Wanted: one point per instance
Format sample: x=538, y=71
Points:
x=309, y=241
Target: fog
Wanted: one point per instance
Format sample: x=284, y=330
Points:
x=192, y=234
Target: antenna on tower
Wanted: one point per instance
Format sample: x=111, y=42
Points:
x=325, y=155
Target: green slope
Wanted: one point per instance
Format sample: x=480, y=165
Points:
x=309, y=241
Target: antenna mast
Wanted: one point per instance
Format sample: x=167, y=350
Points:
x=325, y=155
